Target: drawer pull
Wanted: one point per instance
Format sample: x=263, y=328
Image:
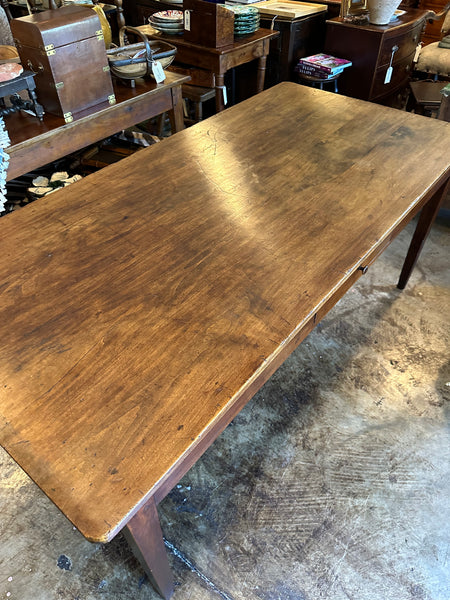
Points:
x=363, y=269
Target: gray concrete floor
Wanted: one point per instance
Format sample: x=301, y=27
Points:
x=333, y=482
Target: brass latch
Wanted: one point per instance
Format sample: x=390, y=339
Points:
x=68, y=118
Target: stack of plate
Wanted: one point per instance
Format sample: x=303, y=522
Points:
x=168, y=21
x=246, y=19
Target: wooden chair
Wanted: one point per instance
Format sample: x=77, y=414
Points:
x=434, y=59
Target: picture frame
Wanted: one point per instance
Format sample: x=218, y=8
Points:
x=353, y=7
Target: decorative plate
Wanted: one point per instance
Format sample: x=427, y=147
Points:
x=169, y=25
x=165, y=16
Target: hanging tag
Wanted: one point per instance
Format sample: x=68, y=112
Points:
x=158, y=71
x=418, y=49
x=224, y=92
x=387, y=78
x=187, y=20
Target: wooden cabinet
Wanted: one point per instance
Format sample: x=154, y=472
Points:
x=298, y=38
x=371, y=48
x=137, y=12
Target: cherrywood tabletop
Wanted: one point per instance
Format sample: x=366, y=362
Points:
x=144, y=305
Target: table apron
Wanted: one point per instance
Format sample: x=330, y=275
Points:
x=221, y=63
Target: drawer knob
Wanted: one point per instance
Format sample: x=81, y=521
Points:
x=363, y=269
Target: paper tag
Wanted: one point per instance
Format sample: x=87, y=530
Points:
x=158, y=71
x=224, y=93
x=187, y=20
x=418, y=49
x=388, y=76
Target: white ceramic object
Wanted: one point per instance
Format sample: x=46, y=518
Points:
x=381, y=11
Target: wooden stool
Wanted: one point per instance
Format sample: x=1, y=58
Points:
x=426, y=96
x=198, y=95
x=319, y=81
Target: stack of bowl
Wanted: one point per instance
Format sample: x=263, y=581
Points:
x=168, y=21
x=246, y=19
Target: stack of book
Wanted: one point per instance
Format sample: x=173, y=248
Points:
x=324, y=66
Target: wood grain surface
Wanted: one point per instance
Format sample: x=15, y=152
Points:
x=143, y=304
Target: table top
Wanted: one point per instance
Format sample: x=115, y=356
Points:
x=409, y=16
x=142, y=305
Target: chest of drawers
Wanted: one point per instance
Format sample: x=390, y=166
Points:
x=372, y=50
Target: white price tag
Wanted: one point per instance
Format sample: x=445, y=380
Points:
x=418, y=49
x=158, y=71
x=388, y=76
x=187, y=20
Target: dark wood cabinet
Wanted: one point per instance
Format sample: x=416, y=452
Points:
x=137, y=12
x=372, y=49
x=298, y=38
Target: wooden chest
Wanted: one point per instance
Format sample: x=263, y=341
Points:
x=208, y=24
x=66, y=50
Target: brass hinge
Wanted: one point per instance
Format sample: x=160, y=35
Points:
x=50, y=52
x=59, y=85
x=112, y=99
x=100, y=37
x=49, y=47
x=106, y=69
x=68, y=118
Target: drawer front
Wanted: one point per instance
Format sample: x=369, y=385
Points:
x=406, y=42
x=400, y=74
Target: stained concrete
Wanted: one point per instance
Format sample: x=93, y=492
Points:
x=332, y=484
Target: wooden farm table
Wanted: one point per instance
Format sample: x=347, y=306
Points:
x=35, y=143
x=219, y=60
x=144, y=305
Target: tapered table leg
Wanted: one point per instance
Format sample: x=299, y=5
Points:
x=220, y=85
x=261, y=74
x=176, y=116
x=426, y=219
x=144, y=535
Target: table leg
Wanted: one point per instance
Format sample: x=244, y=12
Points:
x=426, y=219
x=261, y=74
x=220, y=83
x=144, y=535
x=176, y=116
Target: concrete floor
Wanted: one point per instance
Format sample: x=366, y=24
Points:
x=333, y=483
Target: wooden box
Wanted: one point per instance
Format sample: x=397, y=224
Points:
x=208, y=24
x=66, y=50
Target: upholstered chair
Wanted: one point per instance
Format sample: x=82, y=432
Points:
x=434, y=59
